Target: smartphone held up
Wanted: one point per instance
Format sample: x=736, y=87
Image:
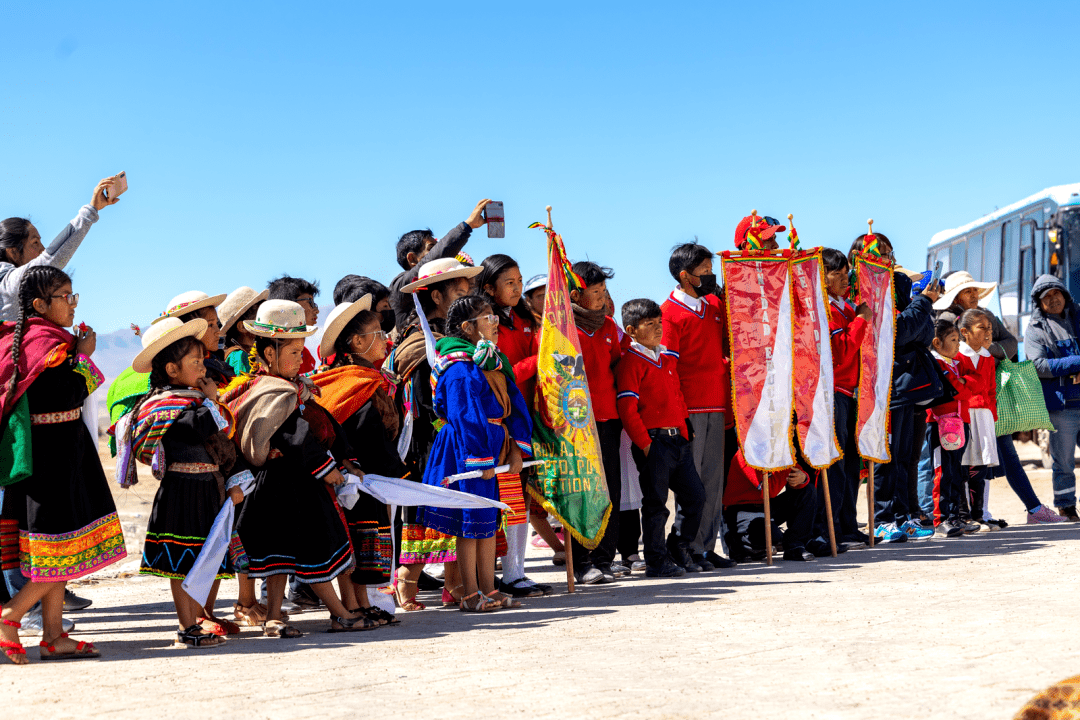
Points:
x=496, y=219
x=117, y=187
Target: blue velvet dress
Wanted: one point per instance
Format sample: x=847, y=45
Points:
x=472, y=439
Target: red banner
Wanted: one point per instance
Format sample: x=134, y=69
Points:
x=760, y=326
x=874, y=279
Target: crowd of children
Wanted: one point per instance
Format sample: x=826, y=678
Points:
x=430, y=377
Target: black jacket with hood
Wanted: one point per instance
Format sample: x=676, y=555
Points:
x=1051, y=343
x=915, y=380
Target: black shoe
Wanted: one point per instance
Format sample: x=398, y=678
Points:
x=950, y=529
x=667, y=569
x=73, y=602
x=1069, y=513
x=702, y=563
x=680, y=555
x=820, y=548
x=617, y=569
x=798, y=555
x=856, y=537
x=426, y=582
x=719, y=561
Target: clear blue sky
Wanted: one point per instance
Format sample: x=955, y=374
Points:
x=263, y=138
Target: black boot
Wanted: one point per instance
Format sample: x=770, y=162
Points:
x=680, y=555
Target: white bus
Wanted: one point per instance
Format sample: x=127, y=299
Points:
x=1014, y=245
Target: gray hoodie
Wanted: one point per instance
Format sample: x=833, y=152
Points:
x=57, y=254
x=1052, y=343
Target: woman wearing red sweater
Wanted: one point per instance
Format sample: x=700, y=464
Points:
x=519, y=339
x=978, y=371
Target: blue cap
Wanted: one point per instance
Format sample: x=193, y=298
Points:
x=535, y=282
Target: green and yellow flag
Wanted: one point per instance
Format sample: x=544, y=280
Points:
x=571, y=484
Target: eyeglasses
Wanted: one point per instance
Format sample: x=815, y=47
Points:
x=490, y=318
x=72, y=298
x=310, y=302
x=379, y=334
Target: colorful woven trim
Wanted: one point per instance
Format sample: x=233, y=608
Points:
x=192, y=468
x=277, y=329
x=420, y=544
x=68, y=556
x=86, y=367
x=54, y=418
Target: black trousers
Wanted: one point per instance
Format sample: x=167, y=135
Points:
x=668, y=466
x=793, y=507
x=918, y=435
x=610, y=432
x=891, y=479
x=950, y=477
x=629, y=533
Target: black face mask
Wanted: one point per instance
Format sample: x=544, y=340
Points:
x=388, y=320
x=707, y=286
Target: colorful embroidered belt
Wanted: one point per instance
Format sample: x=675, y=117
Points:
x=55, y=417
x=191, y=468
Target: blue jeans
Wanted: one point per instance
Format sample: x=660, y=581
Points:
x=925, y=483
x=1062, y=445
x=1014, y=473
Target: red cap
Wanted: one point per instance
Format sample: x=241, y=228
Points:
x=765, y=231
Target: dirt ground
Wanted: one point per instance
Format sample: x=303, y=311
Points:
x=966, y=628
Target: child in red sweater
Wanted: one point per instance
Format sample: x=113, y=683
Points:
x=694, y=332
x=600, y=349
x=652, y=410
x=979, y=372
x=847, y=326
x=948, y=421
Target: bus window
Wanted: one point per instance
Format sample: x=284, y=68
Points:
x=1010, y=254
x=992, y=255
x=975, y=256
x=956, y=256
x=1027, y=278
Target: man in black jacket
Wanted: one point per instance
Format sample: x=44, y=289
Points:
x=417, y=245
x=913, y=379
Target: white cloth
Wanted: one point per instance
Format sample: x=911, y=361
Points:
x=981, y=448
x=200, y=579
x=631, y=482
x=690, y=302
x=408, y=493
x=653, y=355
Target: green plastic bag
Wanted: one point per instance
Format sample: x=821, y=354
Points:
x=1020, y=403
x=16, y=453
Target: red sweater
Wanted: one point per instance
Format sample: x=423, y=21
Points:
x=743, y=483
x=959, y=404
x=649, y=396
x=308, y=362
x=846, y=331
x=601, y=352
x=697, y=339
x=981, y=381
x=520, y=345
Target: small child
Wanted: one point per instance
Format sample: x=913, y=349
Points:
x=947, y=422
x=654, y=415
x=303, y=293
x=978, y=370
x=179, y=430
x=239, y=307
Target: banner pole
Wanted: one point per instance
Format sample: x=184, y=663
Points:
x=768, y=519
x=870, y=503
x=568, y=538
x=828, y=510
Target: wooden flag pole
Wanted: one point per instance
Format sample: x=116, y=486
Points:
x=828, y=510
x=568, y=542
x=768, y=519
x=870, y=463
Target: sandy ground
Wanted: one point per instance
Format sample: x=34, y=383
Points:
x=966, y=628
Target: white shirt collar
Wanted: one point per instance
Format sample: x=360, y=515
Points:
x=691, y=302
x=651, y=354
x=942, y=358
x=971, y=353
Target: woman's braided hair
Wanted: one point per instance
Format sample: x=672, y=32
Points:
x=464, y=310
x=38, y=282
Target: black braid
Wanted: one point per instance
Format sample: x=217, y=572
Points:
x=39, y=282
x=463, y=310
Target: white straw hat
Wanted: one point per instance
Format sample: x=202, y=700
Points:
x=187, y=302
x=162, y=334
x=439, y=270
x=961, y=280
x=237, y=304
x=336, y=321
x=281, y=320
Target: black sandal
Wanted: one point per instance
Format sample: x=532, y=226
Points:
x=194, y=636
x=352, y=624
x=378, y=615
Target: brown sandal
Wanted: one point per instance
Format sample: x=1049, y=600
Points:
x=278, y=629
x=406, y=603
x=481, y=604
x=503, y=601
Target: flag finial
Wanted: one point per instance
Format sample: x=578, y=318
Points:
x=548, y=208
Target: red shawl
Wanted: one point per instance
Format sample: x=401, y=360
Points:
x=44, y=345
